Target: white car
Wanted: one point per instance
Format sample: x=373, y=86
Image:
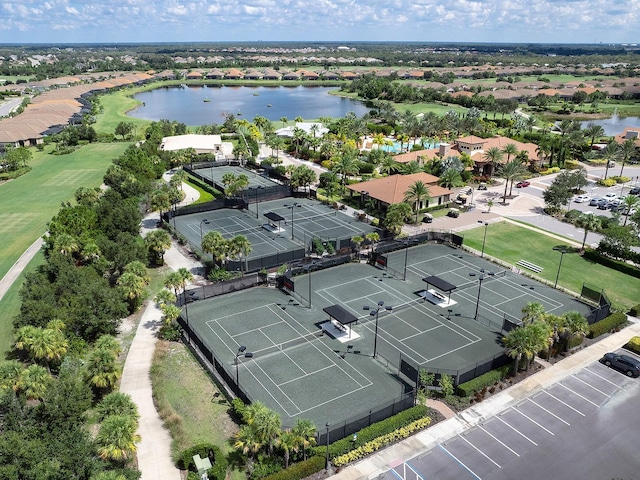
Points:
x=610, y=196
x=582, y=198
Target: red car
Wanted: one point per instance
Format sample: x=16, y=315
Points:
x=522, y=184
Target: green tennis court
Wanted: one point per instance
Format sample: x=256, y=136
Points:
x=215, y=175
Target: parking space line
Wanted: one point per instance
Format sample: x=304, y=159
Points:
x=418, y=476
x=480, y=451
x=589, y=385
x=549, y=412
x=397, y=474
x=564, y=403
x=517, y=431
x=603, y=378
x=499, y=441
x=459, y=462
x=533, y=421
x=576, y=393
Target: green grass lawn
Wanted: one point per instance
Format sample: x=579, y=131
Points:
x=29, y=202
x=115, y=107
x=512, y=243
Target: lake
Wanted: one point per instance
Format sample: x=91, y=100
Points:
x=614, y=125
x=204, y=105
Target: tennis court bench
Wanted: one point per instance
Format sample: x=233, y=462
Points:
x=529, y=266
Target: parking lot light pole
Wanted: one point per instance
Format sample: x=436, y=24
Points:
x=562, y=251
x=292, y=207
x=484, y=239
x=206, y=222
x=376, y=313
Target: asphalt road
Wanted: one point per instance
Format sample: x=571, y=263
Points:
x=536, y=438
x=7, y=107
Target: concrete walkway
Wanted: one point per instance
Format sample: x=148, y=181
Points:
x=383, y=460
x=16, y=269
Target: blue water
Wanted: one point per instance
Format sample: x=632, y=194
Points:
x=614, y=125
x=188, y=105
x=395, y=148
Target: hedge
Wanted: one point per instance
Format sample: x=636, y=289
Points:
x=623, y=267
x=376, y=430
x=300, y=470
x=607, y=324
x=633, y=344
x=381, y=442
x=635, y=310
x=467, y=389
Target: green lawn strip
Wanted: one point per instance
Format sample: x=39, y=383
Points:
x=204, y=195
x=180, y=381
x=29, y=202
x=512, y=243
x=10, y=306
x=114, y=110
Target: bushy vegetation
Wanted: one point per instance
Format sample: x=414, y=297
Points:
x=635, y=310
x=618, y=265
x=300, y=470
x=468, y=389
x=606, y=325
x=219, y=463
x=633, y=344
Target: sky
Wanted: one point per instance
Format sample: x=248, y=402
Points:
x=499, y=21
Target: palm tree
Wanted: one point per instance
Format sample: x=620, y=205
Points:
x=117, y=438
x=412, y=167
x=592, y=132
x=373, y=238
x=10, y=371
x=518, y=345
x=160, y=201
x=157, y=243
x=65, y=244
x=34, y=382
x=511, y=172
x=576, y=325
x=109, y=342
x=241, y=246
x=284, y=121
x=611, y=152
x=133, y=288
x=215, y=244
x=416, y=193
x=306, y=431
x=48, y=345
x=627, y=152
x=494, y=156
x=103, y=370
x=450, y=178
x=345, y=166
x=246, y=441
x=288, y=442
x=630, y=202
x=532, y=312
x=589, y=223
x=389, y=165
x=117, y=403
x=164, y=297
x=510, y=150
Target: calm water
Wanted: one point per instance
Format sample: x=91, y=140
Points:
x=188, y=105
x=614, y=125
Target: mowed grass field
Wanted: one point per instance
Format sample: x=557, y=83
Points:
x=512, y=243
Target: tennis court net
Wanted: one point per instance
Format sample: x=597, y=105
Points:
x=280, y=347
x=486, y=278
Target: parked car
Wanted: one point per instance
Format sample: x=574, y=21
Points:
x=604, y=204
x=482, y=186
x=453, y=212
x=610, y=196
x=629, y=365
x=581, y=198
x=428, y=218
x=635, y=191
x=522, y=184
x=594, y=201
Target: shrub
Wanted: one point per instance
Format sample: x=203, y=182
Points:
x=606, y=325
x=618, y=265
x=485, y=380
x=633, y=344
x=635, y=310
x=571, y=164
x=376, y=430
x=170, y=332
x=609, y=182
x=219, y=464
x=571, y=215
x=549, y=171
x=620, y=179
x=381, y=442
x=238, y=408
x=300, y=470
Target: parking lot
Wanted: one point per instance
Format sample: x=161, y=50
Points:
x=584, y=426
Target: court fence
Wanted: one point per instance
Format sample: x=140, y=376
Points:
x=596, y=296
x=351, y=425
x=220, y=288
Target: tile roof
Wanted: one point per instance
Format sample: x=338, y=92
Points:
x=391, y=189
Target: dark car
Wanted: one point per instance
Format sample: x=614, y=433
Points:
x=635, y=191
x=522, y=184
x=594, y=201
x=625, y=363
x=603, y=204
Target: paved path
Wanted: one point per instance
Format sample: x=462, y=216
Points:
x=16, y=269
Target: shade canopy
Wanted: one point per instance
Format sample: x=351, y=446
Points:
x=439, y=283
x=274, y=217
x=340, y=314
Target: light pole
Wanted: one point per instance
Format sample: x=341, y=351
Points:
x=326, y=464
x=242, y=352
x=475, y=317
x=292, y=207
x=256, y=190
x=376, y=313
x=206, y=222
x=562, y=251
x=406, y=254
x=484, y=239
x=309, y=268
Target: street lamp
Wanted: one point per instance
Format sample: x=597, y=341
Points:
x=480, y=278
x=206, y=222
x=242, y=352
x=309, y=268
x=406, y=254
x=376, y=313
x=484, y=239
x=256, y=190
x=562, y=251
x=326, y=464
x=292, y=208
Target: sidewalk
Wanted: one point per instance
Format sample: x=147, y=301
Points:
x=383, y=460
x=154, y=449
